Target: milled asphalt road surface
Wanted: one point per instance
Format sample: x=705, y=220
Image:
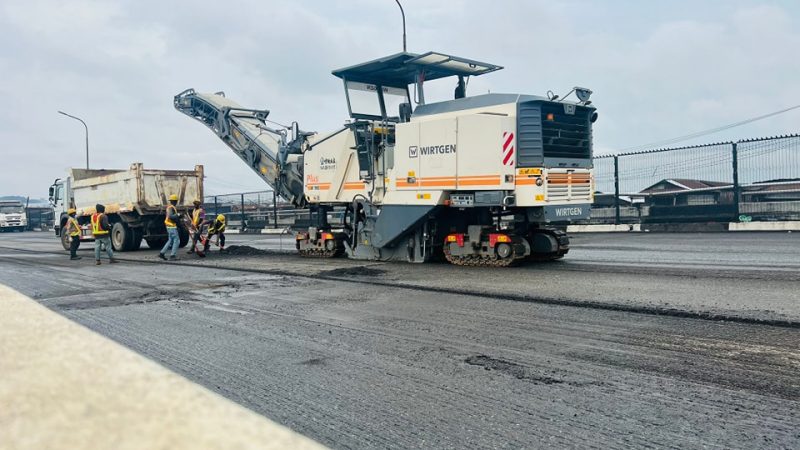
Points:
x=318, y=346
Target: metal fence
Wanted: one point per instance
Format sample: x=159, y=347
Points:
x=754, y=179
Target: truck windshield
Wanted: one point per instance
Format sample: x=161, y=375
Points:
x=11, y=209
x=363, y=99
x=392, y=98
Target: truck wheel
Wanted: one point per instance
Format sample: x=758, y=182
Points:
x=64, y=238
x=183, y=236
x=121, y=237
x=156, y=243
x=136, y=238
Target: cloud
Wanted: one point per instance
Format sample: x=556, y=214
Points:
x=657, y=71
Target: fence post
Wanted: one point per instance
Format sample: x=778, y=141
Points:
x=243, y=225
x=216, y=208
x=275, y=208
x=735, y=159
x=616, y=190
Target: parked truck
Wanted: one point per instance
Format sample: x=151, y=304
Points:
x=135, y=200
x=13, y=216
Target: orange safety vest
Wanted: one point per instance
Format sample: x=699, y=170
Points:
x=96, y=230
x=167, y=221
x=73, y=227
x=196, y=216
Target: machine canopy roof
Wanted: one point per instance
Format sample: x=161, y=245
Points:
x=400, y=69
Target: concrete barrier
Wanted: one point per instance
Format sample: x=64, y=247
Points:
x=64, y=386
x=603, y=228
x=764, y=226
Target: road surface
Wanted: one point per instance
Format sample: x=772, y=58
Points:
x=633, y=340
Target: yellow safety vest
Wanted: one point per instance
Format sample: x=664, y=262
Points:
x=196, y=216
x=217, y=227
x=96, y=230
x=73, y=227
x=167, y=221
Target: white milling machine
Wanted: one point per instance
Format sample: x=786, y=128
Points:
x=475, y=179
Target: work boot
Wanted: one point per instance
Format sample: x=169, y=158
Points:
x=174, y=258
x=113, y=261
x=161, y=255
x=97, y=262
x=75, y=258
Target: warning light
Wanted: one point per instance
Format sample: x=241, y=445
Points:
x=458, y=238
x=551, y=117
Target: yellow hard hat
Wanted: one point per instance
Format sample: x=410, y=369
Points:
x=173, y=198
x=197, y=201
x=71, y=211
x=221, y=218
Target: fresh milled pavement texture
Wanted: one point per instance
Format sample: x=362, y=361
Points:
x=390, y=355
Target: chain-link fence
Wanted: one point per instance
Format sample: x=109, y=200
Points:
x=757, y=179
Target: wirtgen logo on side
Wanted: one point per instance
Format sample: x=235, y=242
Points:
x=412, y=151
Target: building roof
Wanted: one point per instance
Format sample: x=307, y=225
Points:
x=683, y=184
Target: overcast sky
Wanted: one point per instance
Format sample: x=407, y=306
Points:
x=658, y=70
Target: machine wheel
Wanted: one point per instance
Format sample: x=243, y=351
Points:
x=183, y=236
x=156, y=243
x=121, y=237
x=64, y=238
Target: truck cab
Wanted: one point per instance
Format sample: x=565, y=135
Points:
x=13, y=216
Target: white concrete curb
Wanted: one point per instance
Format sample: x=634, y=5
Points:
x=764, y=226
x=603, y=228
x=274, y=231
x=64, y=386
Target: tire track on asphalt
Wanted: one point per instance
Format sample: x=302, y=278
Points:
x=635, y=309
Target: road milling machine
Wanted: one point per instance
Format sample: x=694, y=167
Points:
x=479, y=180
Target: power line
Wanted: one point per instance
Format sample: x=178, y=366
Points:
x=707, y=132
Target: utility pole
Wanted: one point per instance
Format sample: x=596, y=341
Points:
x=735, y=158
x=616, y=190
x=86, y=128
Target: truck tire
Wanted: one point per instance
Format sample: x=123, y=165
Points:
x=121, y=237
x=136, y=238
x=156, y=243
x=183, y=235
x=64, y=238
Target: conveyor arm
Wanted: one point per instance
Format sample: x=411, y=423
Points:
x=267, y=151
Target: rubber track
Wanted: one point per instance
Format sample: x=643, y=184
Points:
x=646, y=310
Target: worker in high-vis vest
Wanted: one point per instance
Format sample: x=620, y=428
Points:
x=218, y=228
x=199, y=224
x=101, y=231
x=73, y=230
x=171, y=221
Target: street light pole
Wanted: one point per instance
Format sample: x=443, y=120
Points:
x=403, y=13
x=87, y=135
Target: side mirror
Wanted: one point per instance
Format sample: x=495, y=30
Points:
x=51, y=191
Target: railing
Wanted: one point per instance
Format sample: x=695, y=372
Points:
x=752, y=179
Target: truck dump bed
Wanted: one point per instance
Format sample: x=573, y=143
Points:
x=136, y=189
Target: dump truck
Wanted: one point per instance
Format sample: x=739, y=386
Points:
x=13, y=216
x=484, y=180
x=135, y=200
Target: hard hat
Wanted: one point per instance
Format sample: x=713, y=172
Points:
x=71, y=211
x=221, y=218
x=197, y=201
x=173, y=198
